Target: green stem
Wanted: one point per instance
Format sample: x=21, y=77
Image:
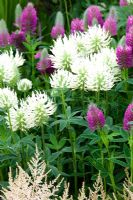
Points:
x=23, y=152
x=43, y=138
x=63, y=102
x=66, y=11
x=73, y=146
x=97, y=96
x=10, y=124
x=105, y=141
x=32, y=65
x=83, y=167
x=82, y=98
x=102, y=161
x=111, y=170
x=46, y=79
x=72, y=141
x=107, y=105
x=125, y=77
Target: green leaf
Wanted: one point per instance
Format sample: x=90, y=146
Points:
x=78, y=121
x=130, y=81
x=53, y=140
x=62, y=142
x=119, y=162
x=63, y=124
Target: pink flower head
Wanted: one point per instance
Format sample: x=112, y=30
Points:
x=38, y=55
x=95, y=118
x=4, y=35
x=93, y=12
x=123, y=3
x=29, y=19
x=110, y=25
x=129, y=23
x=129, y=39
x=77, y=25
x=17, y=39
x=4, y=39
x=45, y=66
x=57, y=30
x=128, y=117
x=124, y=56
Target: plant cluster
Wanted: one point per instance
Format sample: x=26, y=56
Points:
x=72, y=98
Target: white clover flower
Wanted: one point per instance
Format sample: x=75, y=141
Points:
x=80, y=68
x=96, y=38
x=63, y=79
x=24, y=85
x=107, y=57
x=8, y=98
x=79, y=42
x=64, y=53
x=39, y=107
x=9, y=63
x=100, y=77
x=17, y=119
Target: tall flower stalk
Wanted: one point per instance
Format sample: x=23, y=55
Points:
x=72, y=138
x=105, y=141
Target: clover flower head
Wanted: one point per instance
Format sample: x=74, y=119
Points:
x=124, y=56
x=63, y=79
x=57, y=30
x=129, y=38
x=77, y=25
x=93, y=12
x=101, y=75
x=4, y=35
x=97, y=38
x=9, y=64
x=79, y=42
x=129, y=23
x=64, y=53
x=29, y=19
x=95, y=118
x=45, y=65
x=110, y=25
x=24, y=85
x=17, y=39
x=39, y=108
x=38, y=55
x=80, y=68
x=8, y=98
x=17, y=119
x=128, y=117
x=107, y=57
